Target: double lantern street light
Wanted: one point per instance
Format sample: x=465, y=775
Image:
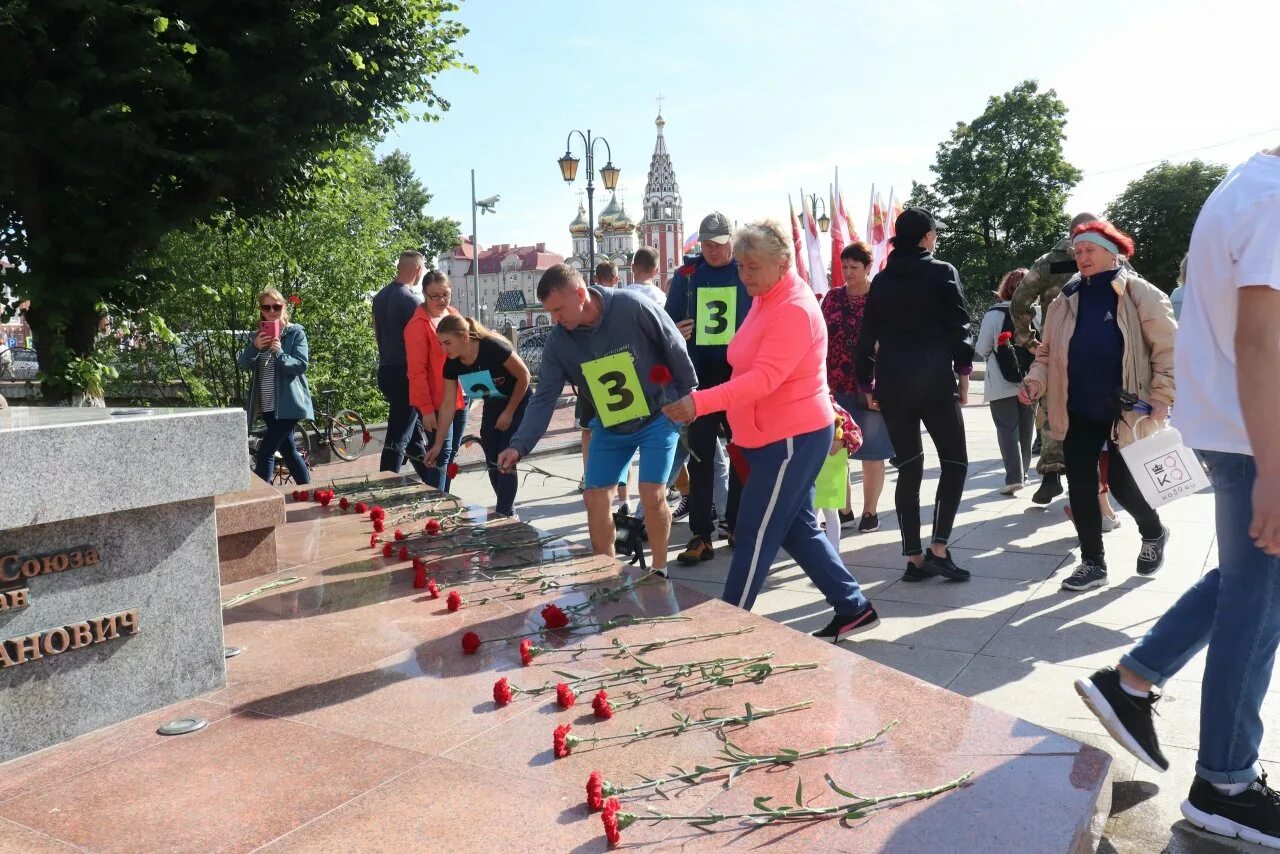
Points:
x=824, y=221
x=608, y=175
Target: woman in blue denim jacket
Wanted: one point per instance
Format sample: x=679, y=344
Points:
x=279, y=391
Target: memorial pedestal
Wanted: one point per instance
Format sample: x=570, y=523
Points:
x=109, y=602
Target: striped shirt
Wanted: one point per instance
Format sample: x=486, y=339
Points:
x=267, y=381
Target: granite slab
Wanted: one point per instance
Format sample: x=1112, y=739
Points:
x=422, y=758
x=82, y=462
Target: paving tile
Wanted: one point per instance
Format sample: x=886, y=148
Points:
x=16, y=839
x=935, y=627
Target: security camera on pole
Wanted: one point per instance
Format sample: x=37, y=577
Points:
x=484, y=206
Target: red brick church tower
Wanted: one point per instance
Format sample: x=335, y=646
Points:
x=662, y=226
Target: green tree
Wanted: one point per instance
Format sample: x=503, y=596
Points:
x=1159, y=210
x=1001, y=186
x=122, y=121
x=414, y=228
x=329, y=252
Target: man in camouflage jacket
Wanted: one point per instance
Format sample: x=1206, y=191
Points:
x=1043, y=283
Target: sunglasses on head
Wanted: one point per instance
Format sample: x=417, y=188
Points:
x=270, y=307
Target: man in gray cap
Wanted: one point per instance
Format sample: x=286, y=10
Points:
x=708, y=302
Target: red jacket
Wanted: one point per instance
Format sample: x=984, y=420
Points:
x=426, y=363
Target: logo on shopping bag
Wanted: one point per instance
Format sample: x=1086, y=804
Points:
x=1168, y=472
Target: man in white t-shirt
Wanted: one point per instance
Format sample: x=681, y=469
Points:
x=1228, y=374
x=644, y=267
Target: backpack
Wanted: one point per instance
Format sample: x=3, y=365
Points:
x=1014, y=362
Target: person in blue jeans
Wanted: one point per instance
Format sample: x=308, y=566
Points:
x=487, y=368
x=1228, y=371
x=279, y=392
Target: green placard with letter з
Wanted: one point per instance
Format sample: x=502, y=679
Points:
x=717, y=315
x=615, y=389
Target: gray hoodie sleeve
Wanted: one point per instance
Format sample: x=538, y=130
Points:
x=662, y=329
x=537, y=415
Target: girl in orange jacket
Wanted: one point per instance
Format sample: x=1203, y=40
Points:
x=426, y=374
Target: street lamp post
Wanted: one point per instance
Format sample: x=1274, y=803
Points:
x=824, y=221
x=608, y=174
x=483, y=206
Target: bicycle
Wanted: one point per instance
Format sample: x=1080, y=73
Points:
x=344, y=433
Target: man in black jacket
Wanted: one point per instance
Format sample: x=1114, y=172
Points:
x=916, y=338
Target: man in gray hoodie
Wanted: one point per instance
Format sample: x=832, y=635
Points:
x=627, y=355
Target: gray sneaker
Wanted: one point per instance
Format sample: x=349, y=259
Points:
x=1087, y=576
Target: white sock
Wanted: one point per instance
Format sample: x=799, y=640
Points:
x=1134, y=692
x=1231, y=789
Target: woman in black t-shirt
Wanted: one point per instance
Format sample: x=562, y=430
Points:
x=485, y=366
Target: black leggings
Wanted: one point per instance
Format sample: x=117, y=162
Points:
x=945, y=424
x=1080, y=450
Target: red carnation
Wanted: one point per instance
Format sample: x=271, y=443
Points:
x=564, y=696
x=1004, y=338
x=452, y=470
x=601, y=706
x=554, y=617
x=454, y=601
x=432, y=526
x=399, y=534
x=660, y=375
x=294, y=495
x=432, y=588
x=501, y=692
x=387, y=549
x=526, y=652
x=378, y=527
x=324, y=499
x=686, y=270
x=404, y=553
x=562, y=741
x=295, y=300
x=612, y=829
x=368, y=437
x=361, y=507
x=374, y=539
x=344, y=503
x=377, y=512
x=306, y=496
x=419, y=574
x=595, y=792
x=470, y=643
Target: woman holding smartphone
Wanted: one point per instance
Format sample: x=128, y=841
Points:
x=278, y=357
x=485, y=366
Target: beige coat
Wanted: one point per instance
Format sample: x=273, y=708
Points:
x=1145, y=317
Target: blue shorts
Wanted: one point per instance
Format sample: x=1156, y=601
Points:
x=610, y=452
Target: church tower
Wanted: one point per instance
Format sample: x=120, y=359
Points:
x=662, y=225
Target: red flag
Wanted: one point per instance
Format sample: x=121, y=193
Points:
x=839, y=235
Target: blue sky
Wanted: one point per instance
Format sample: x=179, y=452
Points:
x=763, y=98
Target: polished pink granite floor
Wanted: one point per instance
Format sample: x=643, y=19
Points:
x=353, y=722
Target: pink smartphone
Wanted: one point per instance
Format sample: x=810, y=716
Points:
x=269, y=327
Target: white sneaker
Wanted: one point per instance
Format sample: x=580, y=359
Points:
x=1110, y=523
x=1011, y=488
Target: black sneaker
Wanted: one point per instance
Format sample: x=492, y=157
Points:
x=1252, y=815
x=847, y=625
x=682, y=509
x=1050, y=488
x=945, y=566
x=1087, y=576
x=846, y=516
x=1151, y=557
x=1126, y=717
x=918, y=573
x=869, y=522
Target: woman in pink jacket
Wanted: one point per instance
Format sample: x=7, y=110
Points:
x=780, y=411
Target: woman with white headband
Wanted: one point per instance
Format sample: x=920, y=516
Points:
x=1109, y=330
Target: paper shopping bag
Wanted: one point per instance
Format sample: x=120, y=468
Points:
x=1164, y=468
x=830, y=486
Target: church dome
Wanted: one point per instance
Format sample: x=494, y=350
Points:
x=580, y=227
x=622, y=223
x=610, y=213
